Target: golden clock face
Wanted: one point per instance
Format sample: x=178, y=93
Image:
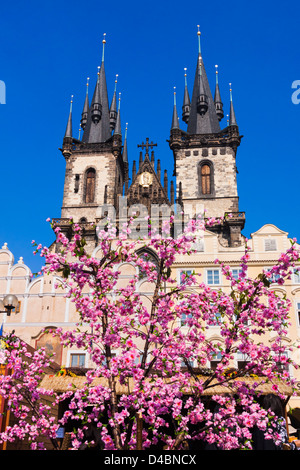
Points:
x=146, y=178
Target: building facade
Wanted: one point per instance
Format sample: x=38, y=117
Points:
x=97, y=181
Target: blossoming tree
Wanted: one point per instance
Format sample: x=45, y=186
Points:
x=149, y=385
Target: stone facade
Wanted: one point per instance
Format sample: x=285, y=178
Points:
x=224, y=196
x=108, y=185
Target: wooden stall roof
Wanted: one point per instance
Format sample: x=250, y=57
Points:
x=66, y=383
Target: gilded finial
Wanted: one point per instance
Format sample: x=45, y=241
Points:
x=126, y=130
x=227, y=115
x=199, y=42
x=116, y=81
x=185, y=75
x=174, y=95
x=103, y=42
x=230, y=91
x=79, y=133
x=217, y=73
x=119, y=100
x=71, y=103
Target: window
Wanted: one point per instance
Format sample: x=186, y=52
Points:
x=184, y=362
x=215, y=359
x=273, y=278
x=298, y=312
x=297, y=275
x=77, y=360
x=270, y=244
x=76, y=186
x=242, y=360
x=236, y=272
x=184, y=274
x=184, y=319
x=206, y=179
x=52, y=344
x=213, y=277
x=218, y=318
x=150, y=257
x=198, y=245
x=90, y=185
x=282, y=362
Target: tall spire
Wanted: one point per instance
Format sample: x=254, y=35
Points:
x=86, y=106
x=96, y=107
x=95, y=130
x=113, y=107
x=186, y=101
x=232, y=118
x=68, y=132
x=202, y=103
x=125, y=161
x=118, y=123
x=201, y=122
x=217, y=98
x=175, y=123
x=125, y=152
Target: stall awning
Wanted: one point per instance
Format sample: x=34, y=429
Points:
x=62, y=384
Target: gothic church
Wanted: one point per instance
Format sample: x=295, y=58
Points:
x=97, y=168
x=97, y=176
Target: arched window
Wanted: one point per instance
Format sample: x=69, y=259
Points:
x=147, y=255
x=51, y=342
x=90, y=180
x=205, y=179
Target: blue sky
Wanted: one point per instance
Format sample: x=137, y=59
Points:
x=48, y=49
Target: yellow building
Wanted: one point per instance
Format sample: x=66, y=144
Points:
x=41, y=305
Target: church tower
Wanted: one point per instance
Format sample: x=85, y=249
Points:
x=205, y=156
x=96, y=165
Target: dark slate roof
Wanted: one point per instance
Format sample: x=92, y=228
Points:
x=209, y=122
x=186, y=96
x=175, y=121
x=217, y=98
x=86, y=101
x=118, y=123
x=113, y=106
x=100, y=132
x=68, y=132
x=125, y=150
x=232, y=118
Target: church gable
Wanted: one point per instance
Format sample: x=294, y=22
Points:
x=146, y=187
x=269, y=229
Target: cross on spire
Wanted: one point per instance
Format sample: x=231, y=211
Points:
x=147, y=145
